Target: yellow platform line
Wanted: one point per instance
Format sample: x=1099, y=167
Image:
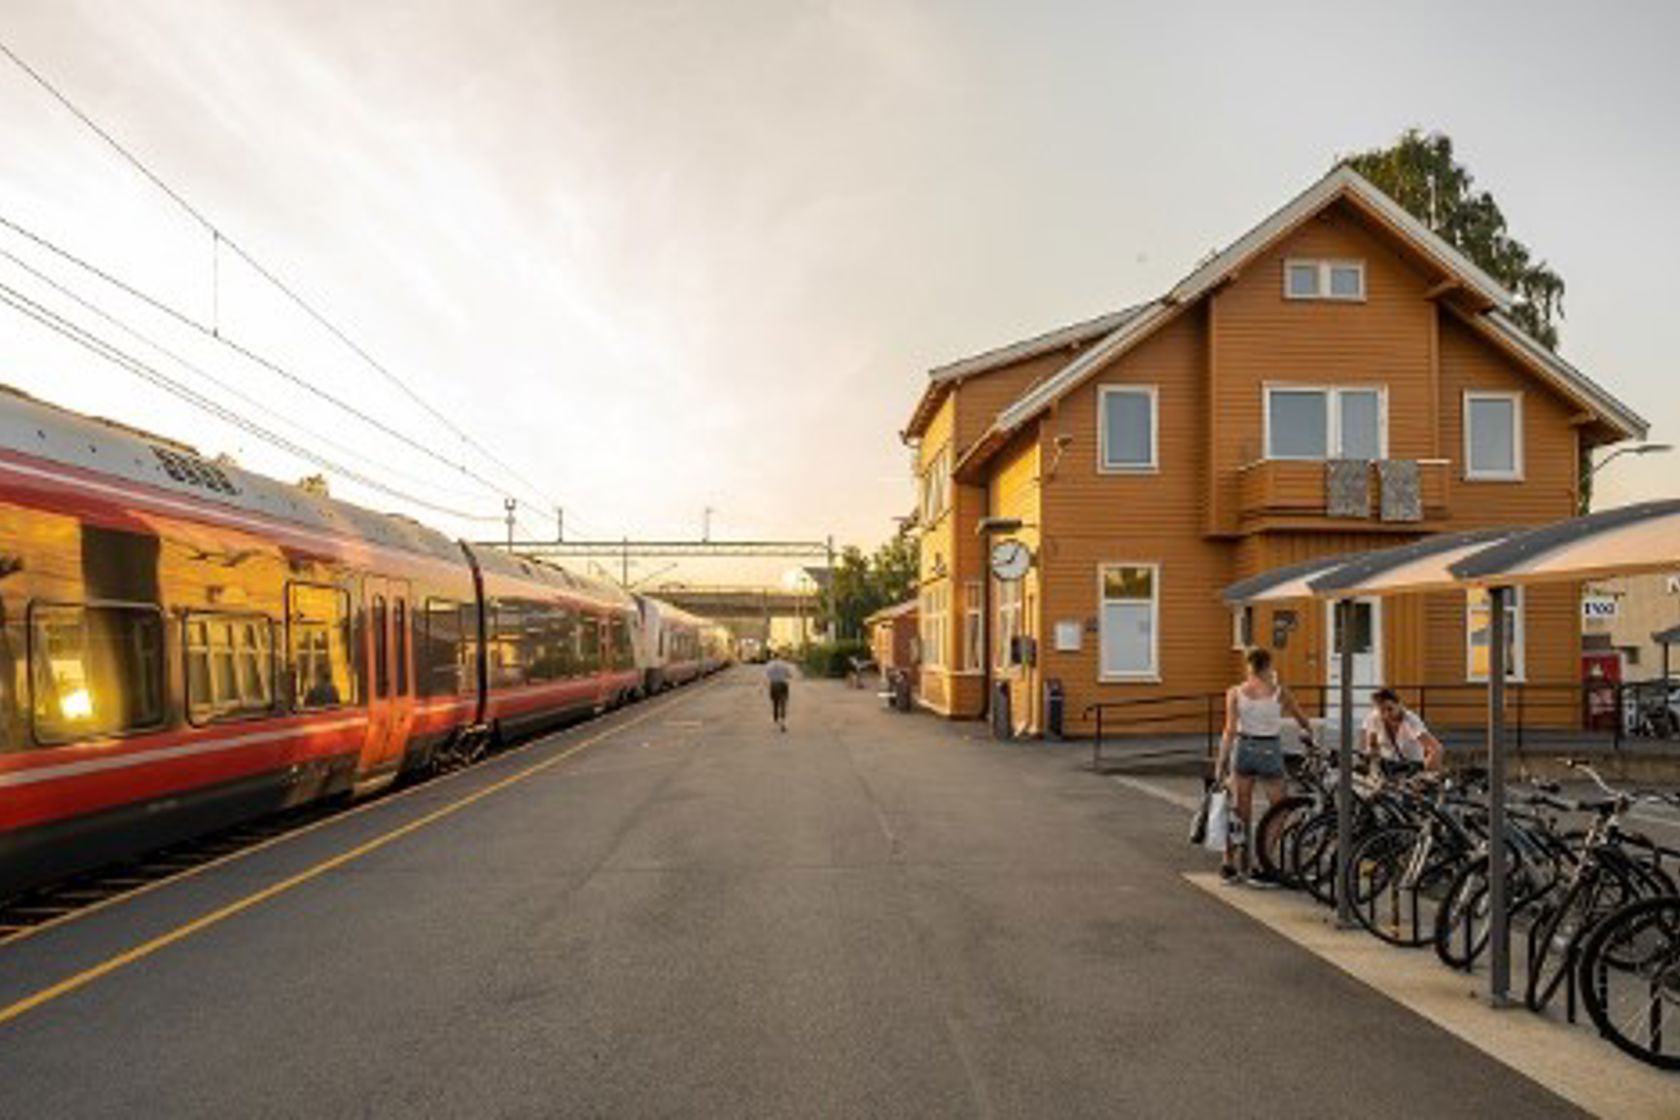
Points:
x=1572, y=1062
x=216, y=917
x=383, y=801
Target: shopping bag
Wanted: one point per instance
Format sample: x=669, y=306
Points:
x=1218, y=821
x=1198, y=822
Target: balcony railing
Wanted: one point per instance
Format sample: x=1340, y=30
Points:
x=1297, y=488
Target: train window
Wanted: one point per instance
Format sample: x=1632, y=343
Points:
x=508, y=644
x=619, y=629
x=230, y=666
x=399, y=619
x=381, y=649
x=95, y=670
x=566, y=640
x=591, y=651
x=318, y=640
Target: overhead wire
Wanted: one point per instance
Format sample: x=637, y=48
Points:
x=269, y=364
x=220, y=238
x=115, y=355
x=221, y=384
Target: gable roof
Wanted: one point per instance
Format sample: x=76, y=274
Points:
x=1493, y=306
x=941, y=378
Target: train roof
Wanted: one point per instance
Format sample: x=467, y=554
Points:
x=500, y=562
x=45, y=431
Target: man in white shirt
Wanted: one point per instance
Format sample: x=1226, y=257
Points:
x=1395, y=734
x=779, y=673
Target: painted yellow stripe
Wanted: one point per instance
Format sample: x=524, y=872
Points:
x=215, y=917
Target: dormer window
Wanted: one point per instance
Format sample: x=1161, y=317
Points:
x=1324, y=279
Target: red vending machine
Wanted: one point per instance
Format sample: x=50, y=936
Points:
x=1601, y=674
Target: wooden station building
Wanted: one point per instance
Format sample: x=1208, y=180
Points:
x=1338, y=379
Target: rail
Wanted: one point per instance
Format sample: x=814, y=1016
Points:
x=1537, y=712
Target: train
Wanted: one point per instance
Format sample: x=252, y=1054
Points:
x=185, y=645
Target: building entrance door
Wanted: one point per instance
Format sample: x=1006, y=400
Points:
x=1367, y=661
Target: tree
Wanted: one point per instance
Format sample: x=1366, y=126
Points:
x=862, y=585
x=1420, y=173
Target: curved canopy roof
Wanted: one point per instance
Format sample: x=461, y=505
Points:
x=1625, y=541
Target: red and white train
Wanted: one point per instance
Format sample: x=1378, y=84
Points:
x=184, y=645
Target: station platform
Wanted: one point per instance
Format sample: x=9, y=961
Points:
x=679, y=910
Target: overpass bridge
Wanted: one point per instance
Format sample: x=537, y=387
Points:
x=741, y=602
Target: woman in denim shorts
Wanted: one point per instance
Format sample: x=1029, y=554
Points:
x=1251, y=750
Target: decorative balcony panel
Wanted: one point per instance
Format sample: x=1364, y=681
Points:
x=1299, y=489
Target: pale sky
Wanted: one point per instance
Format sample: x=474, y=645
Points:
x=666, y=256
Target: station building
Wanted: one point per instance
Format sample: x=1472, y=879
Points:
x=1338, y=379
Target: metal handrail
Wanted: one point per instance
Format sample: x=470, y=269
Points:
x=1532, y=700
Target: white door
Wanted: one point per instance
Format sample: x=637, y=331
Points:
x=1367, y=662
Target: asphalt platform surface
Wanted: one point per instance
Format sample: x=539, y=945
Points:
x=677, y=910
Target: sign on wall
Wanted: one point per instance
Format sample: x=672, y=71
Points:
x=1068, y=636
x=1599, y=608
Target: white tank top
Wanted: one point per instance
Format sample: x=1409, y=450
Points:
x=1260, y=718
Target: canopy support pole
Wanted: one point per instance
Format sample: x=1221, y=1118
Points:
x=1343, y=628
x=1499, y=957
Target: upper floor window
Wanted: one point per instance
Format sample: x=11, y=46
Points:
x=1128, y=428
x=1493, y=435
x=936, y=486
x=1325, y=423
x=1324, y=279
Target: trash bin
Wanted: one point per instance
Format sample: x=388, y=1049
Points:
x=1054, y=702
x=1003, y=725
x=901, y=697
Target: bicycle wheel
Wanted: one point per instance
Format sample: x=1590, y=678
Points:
x=1311, y=860
x=1272, y=836
x=1463, y=919
x=1630, y=980
x=1554, y=941
x=1393, y=879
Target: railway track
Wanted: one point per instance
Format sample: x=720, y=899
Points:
x=48, y=906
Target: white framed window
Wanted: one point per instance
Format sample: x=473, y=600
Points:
x=1478, y=620
x=1128, y=428
x=974, y=632
x=936, y=486
x=934, y=631
x=1128, y=622
x=1324, y=279
x=1242, y=628
x=1009, y=594
x=1314, y=422
x=1493, y=436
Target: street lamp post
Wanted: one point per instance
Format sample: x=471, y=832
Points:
x=1635, y=449
x=1584, y=493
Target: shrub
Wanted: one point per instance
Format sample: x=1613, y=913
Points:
x=833, y=659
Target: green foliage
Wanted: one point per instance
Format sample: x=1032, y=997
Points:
x=1419, y=172
x=864, y=584
x=833, y=659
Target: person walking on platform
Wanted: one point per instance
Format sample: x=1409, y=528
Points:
x=780, y=675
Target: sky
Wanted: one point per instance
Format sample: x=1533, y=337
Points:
x=665, y=257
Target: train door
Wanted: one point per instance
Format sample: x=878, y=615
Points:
x=389, y=673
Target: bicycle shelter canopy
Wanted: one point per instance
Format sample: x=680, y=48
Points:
x=1615, y=542
x=1281, y=585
